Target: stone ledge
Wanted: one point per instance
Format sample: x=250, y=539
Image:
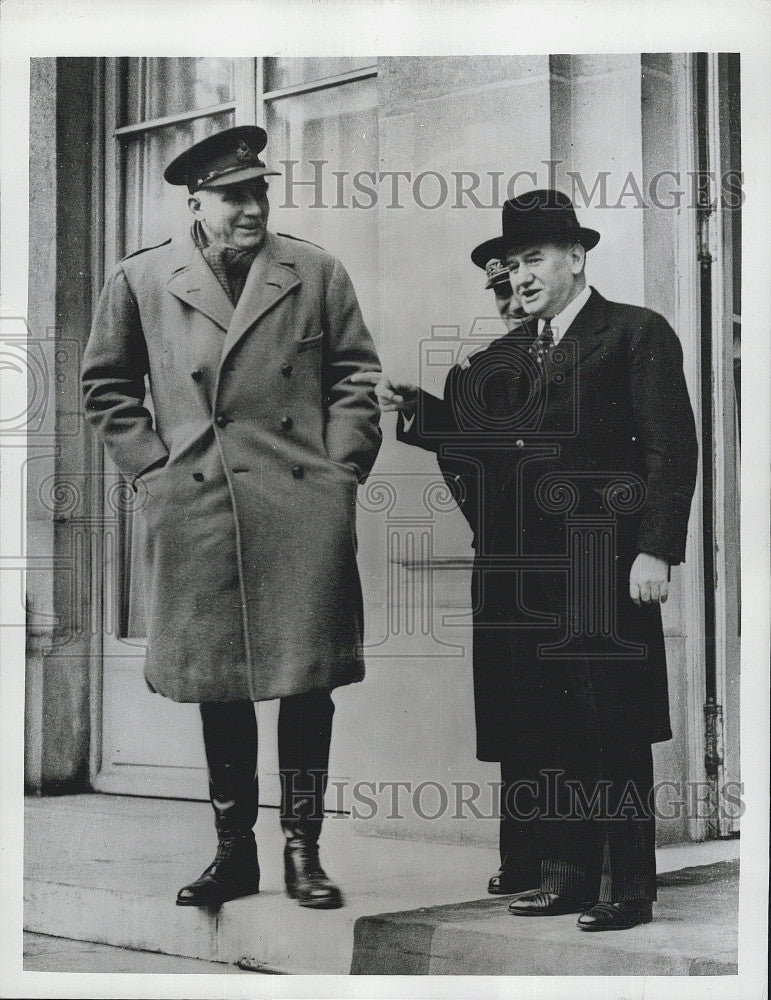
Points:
x=694, y=933
x=107, y=868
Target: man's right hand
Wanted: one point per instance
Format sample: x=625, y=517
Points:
x=401, y=397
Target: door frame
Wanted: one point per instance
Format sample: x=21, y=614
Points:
x=692, y=573
x=710, y=576
x=725, y=534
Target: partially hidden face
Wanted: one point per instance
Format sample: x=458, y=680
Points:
x=234, y=216
x=544, y=276
x=506, y=301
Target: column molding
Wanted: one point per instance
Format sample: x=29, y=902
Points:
x=688, y=326
x=59, y=584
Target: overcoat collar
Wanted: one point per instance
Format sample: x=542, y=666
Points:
x=194, y=282
x=271, y=277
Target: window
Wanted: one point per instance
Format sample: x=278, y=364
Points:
x=327, y=134
x=157, y=108
x=285, y=73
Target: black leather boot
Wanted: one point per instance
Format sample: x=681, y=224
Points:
x=233, y=873
x=304, y=733
x=306, y=881
x=233, y=791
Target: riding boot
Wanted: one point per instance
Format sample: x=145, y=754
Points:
x=304, y=733
x=306, y=881
x=233, y=791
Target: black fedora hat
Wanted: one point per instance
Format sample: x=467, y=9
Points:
x=541, y=216
x=227, y=157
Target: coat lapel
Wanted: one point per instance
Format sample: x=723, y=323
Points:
x=588, y=327
x=270, y=279
x=194, y=282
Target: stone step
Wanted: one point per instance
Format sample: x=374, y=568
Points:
x=694, y=933
x=107, y=868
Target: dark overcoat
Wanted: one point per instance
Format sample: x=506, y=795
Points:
x=566, y=470
x=251, y=582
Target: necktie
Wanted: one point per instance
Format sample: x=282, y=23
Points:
x=543, y=343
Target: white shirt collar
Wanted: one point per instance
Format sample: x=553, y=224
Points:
x=562, y=321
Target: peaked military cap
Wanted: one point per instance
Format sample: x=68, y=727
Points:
x=228, y=157
x=542, y=216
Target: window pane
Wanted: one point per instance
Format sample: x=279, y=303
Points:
x=338, y=125
x=158, y=87
x=281, y=73
x=155, y=210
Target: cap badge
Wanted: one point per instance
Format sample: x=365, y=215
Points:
x=243, y=153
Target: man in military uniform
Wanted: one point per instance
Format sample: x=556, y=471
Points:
x=247, y=480
x=570, y=446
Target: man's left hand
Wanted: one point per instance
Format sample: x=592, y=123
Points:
x=649, y=580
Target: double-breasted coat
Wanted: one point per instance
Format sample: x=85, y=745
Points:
x=247, y=475
x=566, y=471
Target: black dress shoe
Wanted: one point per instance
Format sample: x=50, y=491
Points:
x=509, y=880
x=616, y=916
x=233, y=873
x=305, y=879
x=540, y=903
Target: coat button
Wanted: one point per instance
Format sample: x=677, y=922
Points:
x=520, y=443
x=198, y=476
x=197, y=376
x=286, y=370
x=222, y=420
x=298, y=472
x=286, y=423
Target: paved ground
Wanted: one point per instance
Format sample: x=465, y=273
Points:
x=51, y=954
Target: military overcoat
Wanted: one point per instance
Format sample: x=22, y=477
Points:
x=566, y=470
x=246, y=476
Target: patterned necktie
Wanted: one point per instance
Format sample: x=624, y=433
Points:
x=543, y=343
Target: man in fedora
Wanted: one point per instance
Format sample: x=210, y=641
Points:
x=570, y=446
x=246, y=477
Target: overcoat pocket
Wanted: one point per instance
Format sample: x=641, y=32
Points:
x=348, y=467
x=315, y=341
x=152, y=480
